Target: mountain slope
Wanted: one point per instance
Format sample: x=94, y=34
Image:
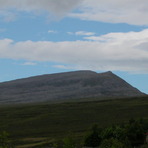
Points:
x=62, y=86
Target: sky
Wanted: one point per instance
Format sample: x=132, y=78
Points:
x=51, y=36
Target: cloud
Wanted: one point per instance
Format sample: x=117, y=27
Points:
x=29, y=63
x=119, y=36
x=61, y=66
x=113, y=51
x=82, y=33
x=114, y=11
x=133, y=12
x=7, y=16
x=56, y=7
x=52, y=31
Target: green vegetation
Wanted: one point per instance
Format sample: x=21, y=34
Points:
x=94, y=138
x=4, y=140
x=126, y=135
x=33, y=125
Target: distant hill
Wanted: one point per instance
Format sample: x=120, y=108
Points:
x=66, y=86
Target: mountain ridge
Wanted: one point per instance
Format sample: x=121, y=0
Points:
x=65, y=86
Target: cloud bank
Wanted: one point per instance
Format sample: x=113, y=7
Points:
x=133, y=12
x=113, y=51
x=114, y=11
x=57, y=7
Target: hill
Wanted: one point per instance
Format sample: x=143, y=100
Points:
x=65, y=86
x=37, y=123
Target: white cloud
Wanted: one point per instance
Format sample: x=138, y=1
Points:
x=82, y=33
x=61, y=66
x=114, y=11
x=113, y=51
x=52, y=31
x=29, y=63
x=119, y=36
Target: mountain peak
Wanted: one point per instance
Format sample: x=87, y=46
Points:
x=64, y=86
x=109, y=72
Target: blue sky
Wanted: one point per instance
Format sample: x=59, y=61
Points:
x=49, y=36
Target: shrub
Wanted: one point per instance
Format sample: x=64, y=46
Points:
x=94, y=138
x=4, y=140
x=112, y=143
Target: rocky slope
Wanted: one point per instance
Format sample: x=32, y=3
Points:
x=63, y=86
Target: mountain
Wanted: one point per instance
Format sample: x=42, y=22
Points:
x=64, y=86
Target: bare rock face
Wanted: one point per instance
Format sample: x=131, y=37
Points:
x=64, y=86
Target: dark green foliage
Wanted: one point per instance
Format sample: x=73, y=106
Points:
x=116, y=132
x=135, y=132
x=4, y=140
x=126, y=135
x=144, y=146
x=112, y=143
x=68, y=143
x=94, y=138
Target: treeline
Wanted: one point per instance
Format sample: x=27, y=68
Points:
x=126, y=135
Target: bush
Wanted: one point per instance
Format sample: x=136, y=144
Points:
x=68, y=143
x=114, y=132
x=135, y=132
x=112, y=143
x=94, y=138
x=144, y=146
x=4, y=141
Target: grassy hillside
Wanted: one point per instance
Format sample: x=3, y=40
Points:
x=35, y=122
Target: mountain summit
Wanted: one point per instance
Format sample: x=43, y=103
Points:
x=64, y=86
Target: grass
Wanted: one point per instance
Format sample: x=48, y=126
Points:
x=33, y=124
